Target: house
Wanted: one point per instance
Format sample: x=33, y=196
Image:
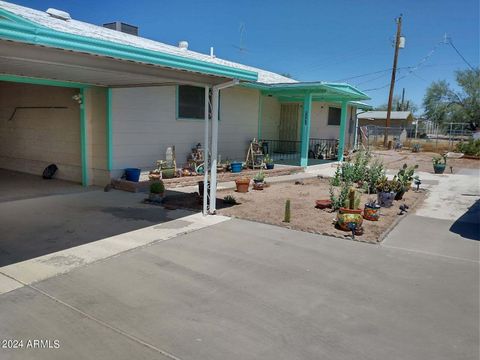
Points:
x=95, y=100
x=400, y=119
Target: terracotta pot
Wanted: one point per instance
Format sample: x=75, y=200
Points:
x=323, y=204
x=371, y=213
x=347, y=216
x=242, y=185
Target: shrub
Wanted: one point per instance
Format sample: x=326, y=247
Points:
x=470, y=147
x=157, y=187
x=375, y=172
x=230, y=200
x=337, y=178
x=339, y=200
x=360, y=166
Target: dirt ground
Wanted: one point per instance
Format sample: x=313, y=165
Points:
x=395, y=159
x=268, y=206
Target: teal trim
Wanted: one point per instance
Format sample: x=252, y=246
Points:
x=83, y=139
x=260, y=114
x=321, y=91
x=39, y=81
x=32, y=33
x=109, y=131
x=343, y=125
x=306, y=120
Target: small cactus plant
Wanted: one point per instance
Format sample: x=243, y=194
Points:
x=353, y=200
x=287, y=212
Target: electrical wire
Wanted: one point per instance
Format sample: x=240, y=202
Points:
x=413, y=69
x=449, y=40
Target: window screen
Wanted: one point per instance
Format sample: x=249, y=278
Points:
x=191, y=102
x=334, y=115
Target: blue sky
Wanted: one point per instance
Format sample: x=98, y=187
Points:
x=311, y=40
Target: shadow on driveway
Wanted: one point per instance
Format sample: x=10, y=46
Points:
x=468, y=225
x=40, y=225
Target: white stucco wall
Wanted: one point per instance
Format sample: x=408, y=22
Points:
x=270, y=118
x=319, y=127
x=145, y=124
x=35, y=138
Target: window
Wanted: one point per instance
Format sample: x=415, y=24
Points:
x=334, y=116
x=191, y=102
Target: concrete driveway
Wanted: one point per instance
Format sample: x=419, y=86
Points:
x=39, y=217
x=243, y=290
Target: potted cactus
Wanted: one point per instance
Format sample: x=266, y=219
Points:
x=350, y=216
x=372, y=210
x=242, y=184
x=439, y=164
x=268, y=162
x=259, y=181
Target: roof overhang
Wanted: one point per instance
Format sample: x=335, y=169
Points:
x=29, y=49
x=320, y=91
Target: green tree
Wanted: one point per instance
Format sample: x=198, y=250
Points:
x=442, y=104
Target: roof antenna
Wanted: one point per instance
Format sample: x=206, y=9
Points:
x=241, y=46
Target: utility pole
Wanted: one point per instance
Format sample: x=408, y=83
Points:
x=392, y=81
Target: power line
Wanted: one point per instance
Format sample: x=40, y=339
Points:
x=414, y=68
x=449, y=40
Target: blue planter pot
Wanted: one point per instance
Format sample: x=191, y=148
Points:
x=270, y=166
x=439, y=168
x=132, y=174
x=236, y=167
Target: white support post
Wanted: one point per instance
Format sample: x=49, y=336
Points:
x=213, y=185
x=213, y=173
x=206, y=148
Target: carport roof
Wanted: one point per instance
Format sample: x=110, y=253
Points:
x=85, y=53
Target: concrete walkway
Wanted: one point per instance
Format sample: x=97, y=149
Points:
x=447, y=223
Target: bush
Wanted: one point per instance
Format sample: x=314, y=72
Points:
x=376, y=171
x=157, y=187
x=470, y=147
x=230, y=200
x=339, y=200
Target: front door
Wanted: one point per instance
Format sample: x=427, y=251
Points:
x=288, y=130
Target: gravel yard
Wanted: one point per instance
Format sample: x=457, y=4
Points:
x=268, y=205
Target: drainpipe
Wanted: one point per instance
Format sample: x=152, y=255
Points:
x=213, y=186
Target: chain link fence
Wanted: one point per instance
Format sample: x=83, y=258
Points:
x=425, y=136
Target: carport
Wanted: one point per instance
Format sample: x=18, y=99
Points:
x=56, y=89
x=65, y=80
